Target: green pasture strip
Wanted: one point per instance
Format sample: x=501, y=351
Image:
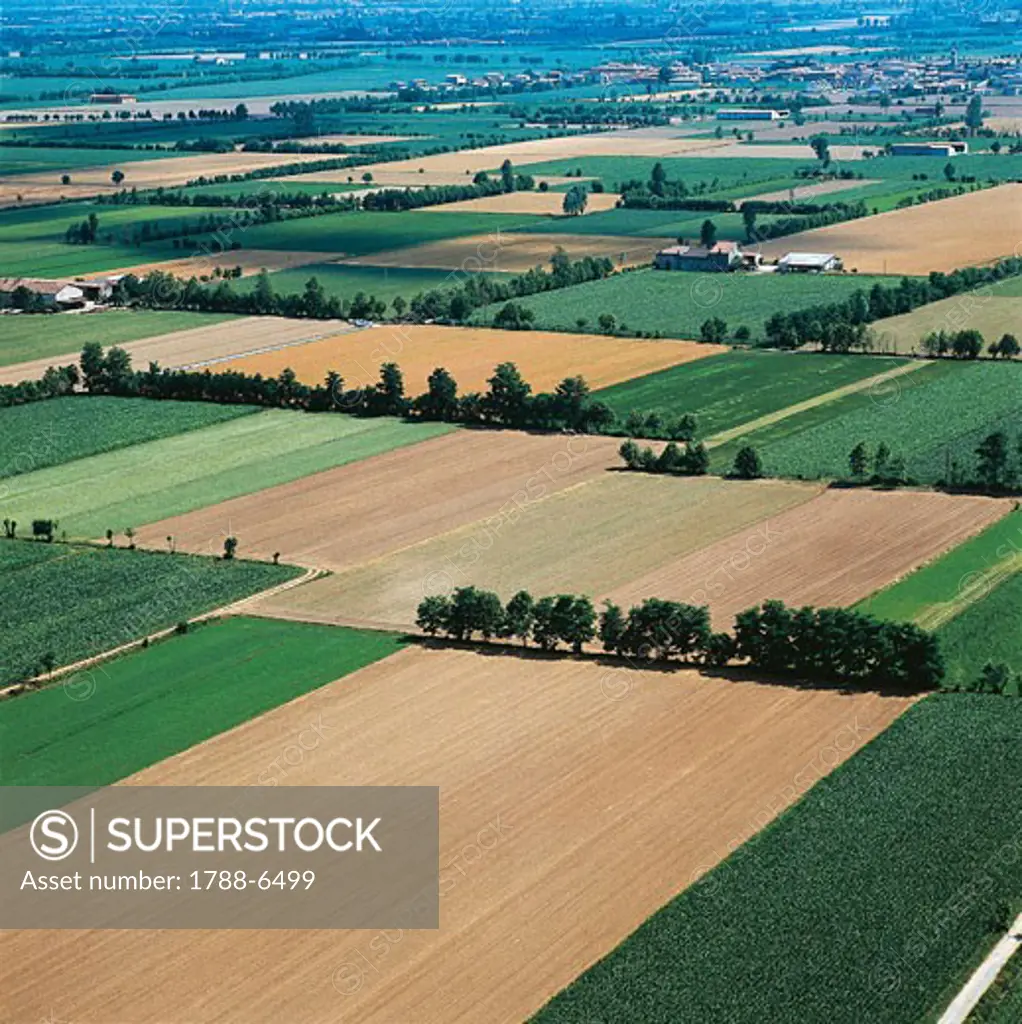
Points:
x=154, y=703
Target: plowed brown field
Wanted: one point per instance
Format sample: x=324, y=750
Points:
x=576, y=800
x=251, y=262
x=589, y=538
x=967, y=230
x=834, y=550
x=361, y=511
x=471, y=353
x=514, y=253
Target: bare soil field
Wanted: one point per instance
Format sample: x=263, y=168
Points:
x=471, y=353
x=251, y=262
x=570, y=791
x=199, y=345
x=834, y=550
x=362, y=511
x=808, y=193
x=975, y=228
x=45, y=186
x=528, y=202
x=514, y=253
x=590, y=538
x=985, y=311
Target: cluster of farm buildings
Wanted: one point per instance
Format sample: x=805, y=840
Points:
x=727, y=256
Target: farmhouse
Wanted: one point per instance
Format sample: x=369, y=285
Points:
x=112, y=97
x=929, y=148
x=720, y=256
x=51, y=294
x=808, y=263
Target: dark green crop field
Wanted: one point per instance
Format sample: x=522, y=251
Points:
x=676, y=304
x=932, y=418
x=864, y=902
x=72, y=601
x=727, y=390
x=115, y=719
x=61, y=430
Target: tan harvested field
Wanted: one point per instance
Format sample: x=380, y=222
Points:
x=528, y=202
x=362, y=511
x=975, y=228
x=591, y=538
x=777, y=150
x=405, y=175
x=251, y=262
x=622, y=142
x=198, y=345
x=570, y=792
x=834, y=550
x=807, y=193
x=985, y=311
x=142, y=174
x=513, y=253
x=471, y=353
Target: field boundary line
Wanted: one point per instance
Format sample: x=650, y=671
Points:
x=811, y=403
x=984, y=976
x=234, y=608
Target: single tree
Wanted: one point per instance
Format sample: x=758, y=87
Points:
x=518, y=616
x=747, y=464
x=117, y=177
x=858, y=460
x=230, y=548
x=708, y=234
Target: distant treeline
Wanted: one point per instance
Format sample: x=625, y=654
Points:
x=817, y=644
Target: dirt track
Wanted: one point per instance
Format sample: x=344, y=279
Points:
x=967, y=230
x=197, y=344
x=361, y=511
x=575, y=800
x=834, y=550
x=470, y=354
x=514, y=253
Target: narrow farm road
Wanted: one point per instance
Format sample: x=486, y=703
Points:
x=868, y=383
x=984, y=976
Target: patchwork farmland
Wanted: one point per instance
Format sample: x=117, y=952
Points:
x=354, y=432
x=719, y=756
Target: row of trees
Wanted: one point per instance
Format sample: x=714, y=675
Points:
x=688, y=460
x=968, y=344
x=837, y=326
x=159, y=290
x=825, y=644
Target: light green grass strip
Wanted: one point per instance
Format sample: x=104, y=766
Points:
x=153, y=481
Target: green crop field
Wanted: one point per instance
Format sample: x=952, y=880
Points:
x=736, y=387
x=990, y=630
x=151, y=481
x=861, y=903
x=152, y=704
x=676, y=304
x=61, y=430
x=73, y=601
x=59, y=159
x=716, y=173
x=933, y=419
x=945, y=587
x=362, y=233
x=46, y=336
x=345, y=281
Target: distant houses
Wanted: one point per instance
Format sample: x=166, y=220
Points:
x=719, y=256
x=727, y=256
x=54, y=295
x=751, y=114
